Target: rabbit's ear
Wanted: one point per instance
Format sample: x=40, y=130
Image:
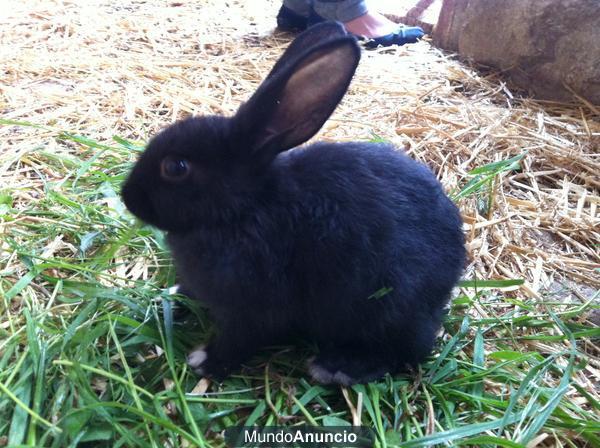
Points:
x=291, y=106
x=311, y=37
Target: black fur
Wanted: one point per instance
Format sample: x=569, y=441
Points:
x=354, y=246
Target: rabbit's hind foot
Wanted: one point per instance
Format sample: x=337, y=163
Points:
x=346, y=369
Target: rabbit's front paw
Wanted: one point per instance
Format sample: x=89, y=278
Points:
x=196, y=359
x=204, y=362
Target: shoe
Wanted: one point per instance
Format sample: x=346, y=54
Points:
x=314, y=18
x=288, y=20
x=403, y=35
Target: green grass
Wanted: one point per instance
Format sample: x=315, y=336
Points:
x=92, y=355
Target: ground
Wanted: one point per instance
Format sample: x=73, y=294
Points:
x=91, y=349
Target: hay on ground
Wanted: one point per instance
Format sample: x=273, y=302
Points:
x=128, y=68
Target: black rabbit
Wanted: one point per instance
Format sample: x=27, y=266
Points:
x=353, y=246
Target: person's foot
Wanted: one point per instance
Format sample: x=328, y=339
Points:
x=371, y=25
x=379, y=30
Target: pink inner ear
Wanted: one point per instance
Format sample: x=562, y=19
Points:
x=312, y=93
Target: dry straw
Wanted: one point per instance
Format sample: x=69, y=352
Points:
x=103, y=68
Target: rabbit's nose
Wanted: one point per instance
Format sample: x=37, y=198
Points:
x=137, y=201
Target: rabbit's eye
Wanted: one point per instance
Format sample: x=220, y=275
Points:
x=174, y=169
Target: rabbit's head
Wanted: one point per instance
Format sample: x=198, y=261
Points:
x=201, y=170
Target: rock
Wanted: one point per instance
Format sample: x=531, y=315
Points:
x=546, y=46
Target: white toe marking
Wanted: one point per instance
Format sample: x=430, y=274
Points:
x=343, y=378
x=197, y=357
x=320, y=374
x=324, y=376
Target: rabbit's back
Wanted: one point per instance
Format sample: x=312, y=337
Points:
x=375, y=239
x=374, y=201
